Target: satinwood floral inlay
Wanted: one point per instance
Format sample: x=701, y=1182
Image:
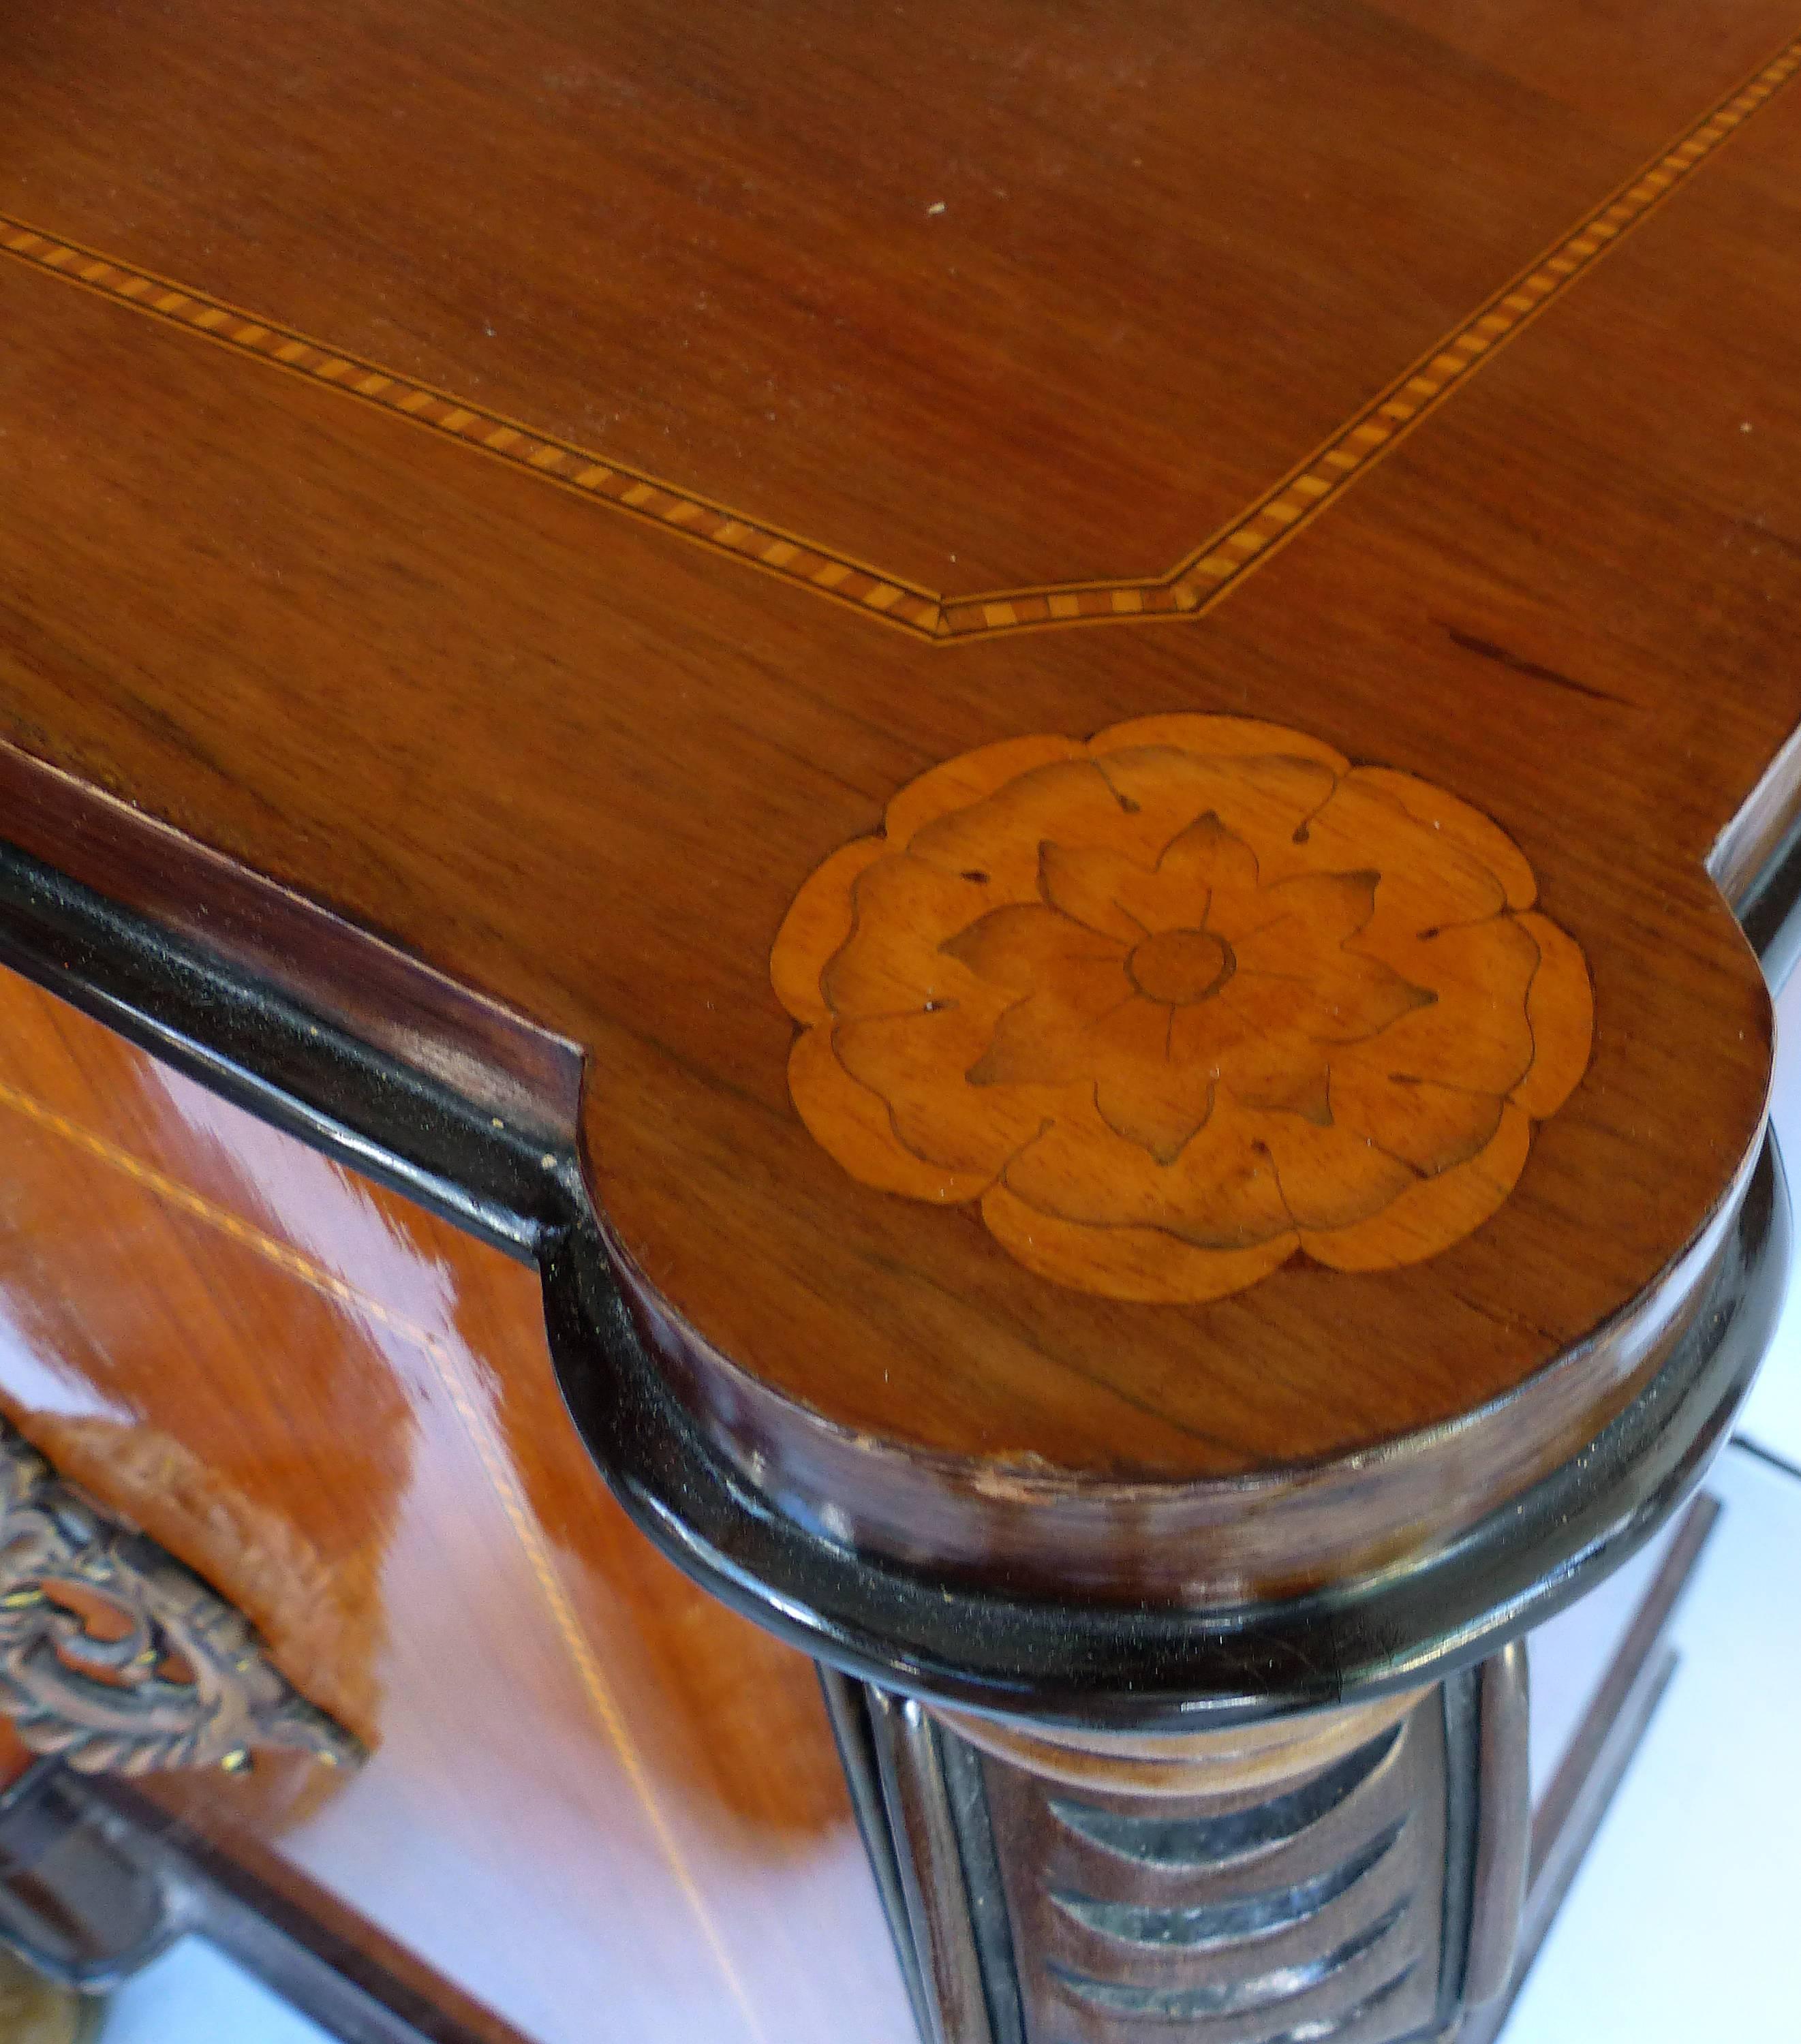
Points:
x=1179, y=1002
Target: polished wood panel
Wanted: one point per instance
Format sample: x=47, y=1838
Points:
x=1201, y=576
x=589, y=1786
x=1321, y=102
x=718, y=248
x=383, y=652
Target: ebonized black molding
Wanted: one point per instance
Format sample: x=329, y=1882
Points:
x=1077, y=1663
x=294, y=1068
x=1087, y=1664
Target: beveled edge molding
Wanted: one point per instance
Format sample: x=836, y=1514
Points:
x=1065, y=1654
x=395, y=1004
x=302, y=1016
x=1069, y=1657
x=187, y=1684
x=1764, y=821
x=1756, y=863
x=1198, y=1543
x=1201, y=578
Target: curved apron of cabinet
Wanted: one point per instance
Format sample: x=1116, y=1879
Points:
x=979, y=818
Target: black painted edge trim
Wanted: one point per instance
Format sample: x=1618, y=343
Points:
x=1102, y=1665
x=1075, y=1661
x=266, y=1052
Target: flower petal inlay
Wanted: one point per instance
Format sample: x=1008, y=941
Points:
x=1179, y=1004
x=1088, y=885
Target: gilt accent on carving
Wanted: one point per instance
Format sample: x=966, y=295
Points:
x=117, y=1659
x=1178, y=1003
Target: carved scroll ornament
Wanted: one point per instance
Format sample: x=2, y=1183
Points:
x=1177, y=1003
x=117, y=1659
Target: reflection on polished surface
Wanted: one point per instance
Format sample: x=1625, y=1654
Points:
x=590, y=1788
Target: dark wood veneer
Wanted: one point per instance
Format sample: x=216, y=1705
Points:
x=574, y=767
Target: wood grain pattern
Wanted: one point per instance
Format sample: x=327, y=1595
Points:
x=576, y=468
x=583, y=1774
x=387, y=1000
x=1260, y=1754
x=1199, y=579
x=584, y=770
x=1180, y=1002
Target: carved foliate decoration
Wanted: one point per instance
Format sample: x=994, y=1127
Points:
x=1176, y=1003
x=117, y=1659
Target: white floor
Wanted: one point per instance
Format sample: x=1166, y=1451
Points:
x=194, y=1995
x=1772, y=1416
x=1677, y=1929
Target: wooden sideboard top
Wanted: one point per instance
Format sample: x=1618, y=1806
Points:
x=546, y=483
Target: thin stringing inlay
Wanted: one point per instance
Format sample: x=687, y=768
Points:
x=1179, y=1002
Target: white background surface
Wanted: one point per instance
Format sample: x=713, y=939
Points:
x=1681, y=1927
x=194, y=1995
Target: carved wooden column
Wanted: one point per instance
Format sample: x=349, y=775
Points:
x=1355, y=1873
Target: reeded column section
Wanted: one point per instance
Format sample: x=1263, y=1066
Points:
x=1354, y=1875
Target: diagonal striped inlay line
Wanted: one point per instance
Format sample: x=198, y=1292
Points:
x=1192, y=587
x=563, y=462
x=1199, y=581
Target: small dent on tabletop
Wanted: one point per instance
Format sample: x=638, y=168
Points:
x=1177, y=1003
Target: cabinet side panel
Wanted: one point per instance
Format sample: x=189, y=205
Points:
x=592, y=1790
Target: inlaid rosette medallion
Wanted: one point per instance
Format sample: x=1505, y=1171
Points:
x=1176, y=1004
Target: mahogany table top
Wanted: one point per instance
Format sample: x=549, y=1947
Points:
x=1092, y=654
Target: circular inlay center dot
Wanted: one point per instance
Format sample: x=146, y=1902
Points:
x=1181, y=967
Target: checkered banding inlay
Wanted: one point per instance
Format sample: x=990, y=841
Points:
x=1191, y=588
